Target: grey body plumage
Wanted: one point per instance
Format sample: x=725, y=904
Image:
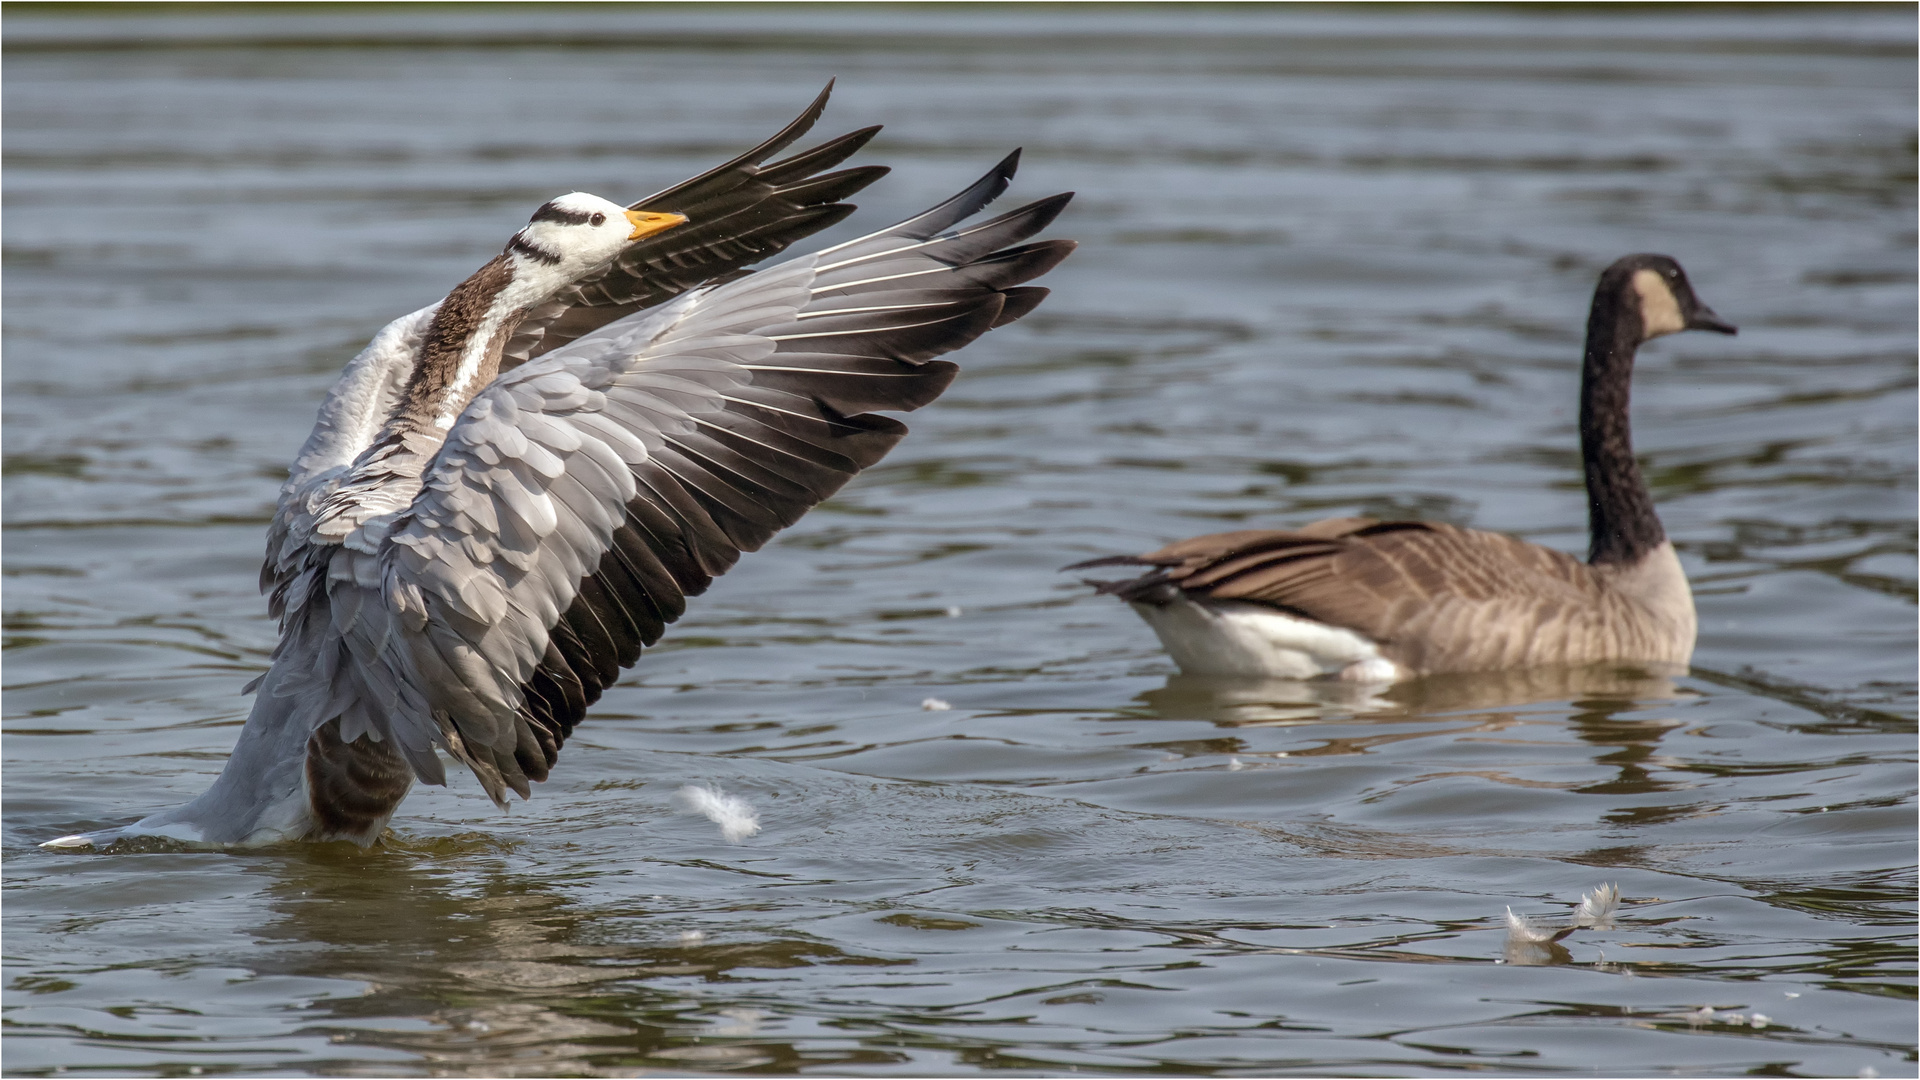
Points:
x=468, y=550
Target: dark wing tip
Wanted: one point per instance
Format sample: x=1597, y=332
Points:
x=1019, y=302
x=1106, y=560
x=1153, y=588
x=800, y=126
x=780, y=140
x=808, y=162
x=1045, y=210
x=966, y=203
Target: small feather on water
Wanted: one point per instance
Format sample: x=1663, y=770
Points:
x=1598, y=907
x=1520, y=930
x=934, y=704
x=736, y=818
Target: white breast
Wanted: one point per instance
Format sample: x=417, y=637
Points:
x=1234, y=638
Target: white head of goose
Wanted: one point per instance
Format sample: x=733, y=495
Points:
x=511, y=492
x=1379, y=601
x=565, y=240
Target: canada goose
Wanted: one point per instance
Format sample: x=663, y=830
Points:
x=1379, y=601
x=511, y=492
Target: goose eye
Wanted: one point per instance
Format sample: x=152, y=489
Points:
x=597, y=220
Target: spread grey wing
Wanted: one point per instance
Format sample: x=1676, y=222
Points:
x=737, y=214
x=583, y=497
x=740, y=212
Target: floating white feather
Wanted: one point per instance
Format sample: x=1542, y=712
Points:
x=1596, y=911
x=1597, y=908
x=934, y=704
x=734, y=815
x=1519, y=930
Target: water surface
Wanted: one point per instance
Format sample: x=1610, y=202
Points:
x=1331, y=264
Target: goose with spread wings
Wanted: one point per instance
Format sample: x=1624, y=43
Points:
x=510, y=493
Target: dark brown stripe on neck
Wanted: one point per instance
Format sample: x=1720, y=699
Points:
x=448, y=335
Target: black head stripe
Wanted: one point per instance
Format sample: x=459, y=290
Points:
x=520, y=244
x=550, y=212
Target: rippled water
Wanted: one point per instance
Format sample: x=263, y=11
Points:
x=1330, y=264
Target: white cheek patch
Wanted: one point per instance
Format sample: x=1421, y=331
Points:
x=574, y=248
x=1659, y=310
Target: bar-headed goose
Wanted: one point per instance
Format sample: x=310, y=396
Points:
x=1379, y=601
x=511, y=492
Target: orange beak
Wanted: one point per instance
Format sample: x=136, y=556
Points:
x=646, y=223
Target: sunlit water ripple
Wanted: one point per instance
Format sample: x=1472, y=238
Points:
x=1330, y=265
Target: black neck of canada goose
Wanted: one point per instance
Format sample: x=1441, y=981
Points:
x=1639, y=298
x=1622, y=525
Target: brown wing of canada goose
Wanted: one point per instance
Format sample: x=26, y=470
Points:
x=1435, y=597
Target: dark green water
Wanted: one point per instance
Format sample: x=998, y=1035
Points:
x=1332, y=262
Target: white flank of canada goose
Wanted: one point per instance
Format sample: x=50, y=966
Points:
x=510, y=493
x=1379, y=601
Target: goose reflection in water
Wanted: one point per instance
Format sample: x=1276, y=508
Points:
x=1619, y=712
x=503, y=972
x=1239, y=701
